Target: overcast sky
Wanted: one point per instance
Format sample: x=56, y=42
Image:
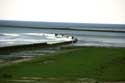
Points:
x=83, y=11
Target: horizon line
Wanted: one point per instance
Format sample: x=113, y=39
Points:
x=62, y=22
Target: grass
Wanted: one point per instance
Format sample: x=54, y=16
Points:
x=99, y=63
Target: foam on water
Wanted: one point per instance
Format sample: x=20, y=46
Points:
x=10, y=34
x=10, y=39
x=91, y=38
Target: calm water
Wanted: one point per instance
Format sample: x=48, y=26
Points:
x=85, y=38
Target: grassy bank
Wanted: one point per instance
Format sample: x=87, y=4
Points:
x=73, y=63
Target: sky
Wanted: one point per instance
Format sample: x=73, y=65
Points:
x=81, y=11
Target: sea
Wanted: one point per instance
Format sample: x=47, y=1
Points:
x=85, y=38
x=114, y=37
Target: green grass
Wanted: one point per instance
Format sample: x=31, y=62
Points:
x=104, y=64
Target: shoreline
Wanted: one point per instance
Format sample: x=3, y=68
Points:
x=20, y=48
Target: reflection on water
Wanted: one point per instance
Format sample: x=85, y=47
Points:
x=28, y=53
